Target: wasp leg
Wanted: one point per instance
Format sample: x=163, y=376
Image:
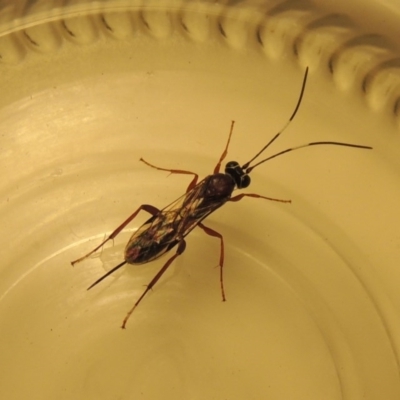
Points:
x=225, y=152
x=216, y=234
x=241, y=195
x=179, y=251
x=146, y=207
x=192, y=184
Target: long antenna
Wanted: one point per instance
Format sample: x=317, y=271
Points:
x=249, y=169
x=303, y=86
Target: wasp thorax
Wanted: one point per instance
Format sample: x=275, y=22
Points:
x=241, y=179
x=219, y=186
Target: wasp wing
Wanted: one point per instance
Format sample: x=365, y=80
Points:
x=161, y=232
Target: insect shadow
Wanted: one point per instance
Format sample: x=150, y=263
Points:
x=167, y=228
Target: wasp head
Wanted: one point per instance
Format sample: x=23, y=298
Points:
x=240, y=177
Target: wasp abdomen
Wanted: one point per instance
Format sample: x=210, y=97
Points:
x=149, y=243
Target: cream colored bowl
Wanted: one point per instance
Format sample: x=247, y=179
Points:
x=313, y=303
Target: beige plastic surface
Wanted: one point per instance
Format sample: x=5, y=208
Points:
x=313, y=302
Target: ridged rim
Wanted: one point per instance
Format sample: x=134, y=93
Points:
x=356, y=61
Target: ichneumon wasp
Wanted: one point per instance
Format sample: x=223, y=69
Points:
x=168, y=227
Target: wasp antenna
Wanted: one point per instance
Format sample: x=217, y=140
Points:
x=359, y=146
x=303, y=86
x=107, y=274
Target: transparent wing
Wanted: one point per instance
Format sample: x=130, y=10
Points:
x=164, y=230
x=183, y=214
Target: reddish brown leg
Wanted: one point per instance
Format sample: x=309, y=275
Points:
x=146, y=207
x=192, y=184
x=216, y=234
x=179, y=251
x=240, y=197
x=225, y=152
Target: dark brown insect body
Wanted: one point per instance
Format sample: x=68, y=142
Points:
x=158, y=234
x=167, y=228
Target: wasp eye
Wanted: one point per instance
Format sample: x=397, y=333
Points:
x=244, y=182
